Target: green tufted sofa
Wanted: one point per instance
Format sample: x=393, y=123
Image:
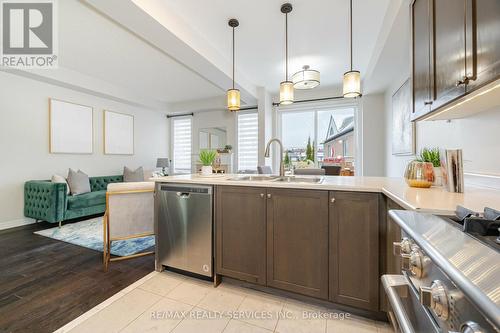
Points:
x=47, y=201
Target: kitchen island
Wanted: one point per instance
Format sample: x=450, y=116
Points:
x=435, y=200
x=327, y=238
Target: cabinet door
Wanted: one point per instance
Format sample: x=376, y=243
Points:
x=297, y=241
x=421, y=16
x=241, y=233
x=483, y=42
x=449, y=51
x=354, y=249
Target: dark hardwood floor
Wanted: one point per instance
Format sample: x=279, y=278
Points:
x=45, y=283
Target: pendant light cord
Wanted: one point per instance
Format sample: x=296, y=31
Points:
x=350, y=29
x=233, y=57
x=286, y=47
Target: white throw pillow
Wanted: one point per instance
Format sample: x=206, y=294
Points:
x=79, y=182
x=130, y=175
x=60, y=179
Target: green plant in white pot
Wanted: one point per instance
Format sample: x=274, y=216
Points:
x=431, y=155
x=207, y=158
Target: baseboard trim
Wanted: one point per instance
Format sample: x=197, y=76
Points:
x=16, y=223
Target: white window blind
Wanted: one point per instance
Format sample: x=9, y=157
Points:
x=181, y=138
x=248, y=136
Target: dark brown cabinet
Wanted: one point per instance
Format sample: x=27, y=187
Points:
x=421, y=54
x=485, y=23
x=448, y=43
x=354, y=249
x=297, y=241
x=393, y=232
x=455, y=50
x=241, y=233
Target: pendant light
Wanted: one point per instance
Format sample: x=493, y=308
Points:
x=352, y=78
x=233, y=95
x=286, y=87
x=306, y=78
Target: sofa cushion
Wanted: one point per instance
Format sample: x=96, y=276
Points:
x=101, y=183
x=87, y=200
x=130, y=175
x=79, y=182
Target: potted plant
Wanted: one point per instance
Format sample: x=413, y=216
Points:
x=207, y=158
x=431, y=155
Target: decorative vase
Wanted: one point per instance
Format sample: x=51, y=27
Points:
x=419, y=174
x=438, y=176
x=206, y=170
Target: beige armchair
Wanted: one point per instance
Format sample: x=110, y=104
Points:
x=129, y=214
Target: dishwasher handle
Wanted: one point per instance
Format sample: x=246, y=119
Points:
x=183, y=195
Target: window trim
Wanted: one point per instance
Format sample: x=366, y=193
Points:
x=324, y=106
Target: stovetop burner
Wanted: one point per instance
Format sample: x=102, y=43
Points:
x=484, y=227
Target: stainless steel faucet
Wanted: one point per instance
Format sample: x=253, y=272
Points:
x=267, y=153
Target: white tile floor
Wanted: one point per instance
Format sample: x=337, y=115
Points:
x=168, y=302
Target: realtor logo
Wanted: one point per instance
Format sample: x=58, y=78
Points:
x=29, y=38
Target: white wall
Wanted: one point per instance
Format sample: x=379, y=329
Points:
x=476, y=135
x=24, y=140
x=373, y=134
x=394, y=164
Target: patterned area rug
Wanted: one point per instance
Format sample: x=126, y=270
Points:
x=89, y=234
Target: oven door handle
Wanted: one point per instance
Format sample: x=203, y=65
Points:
x=396, y=286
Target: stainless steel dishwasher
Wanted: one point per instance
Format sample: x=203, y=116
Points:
x=184, y=227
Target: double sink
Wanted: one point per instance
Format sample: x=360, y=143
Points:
x=280, y=179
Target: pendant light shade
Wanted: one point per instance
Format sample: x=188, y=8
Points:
x=233, y=95
x=286, y=92
x=352, y=78
x=352, y=84
x=306, y=78
x=286, y=87
x=233, y=100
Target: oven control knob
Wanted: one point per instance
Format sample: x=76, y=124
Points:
x=436, y=298
x=415, y=262
x=471, y=327
x=404, y=246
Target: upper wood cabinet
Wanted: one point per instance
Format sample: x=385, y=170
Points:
x=421, y=54
x=485, y=49
x=241, y=233
x=354, y=249
x=297, y=241
x=448, y=46
x=455, y=49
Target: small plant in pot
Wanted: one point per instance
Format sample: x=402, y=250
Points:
x=207, y=158
x=431, y=155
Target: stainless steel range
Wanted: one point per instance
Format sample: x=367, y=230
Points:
x=450, y=279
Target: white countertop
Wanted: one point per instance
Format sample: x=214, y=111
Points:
x=435, y=200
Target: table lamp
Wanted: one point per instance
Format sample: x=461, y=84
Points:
x=163, y=163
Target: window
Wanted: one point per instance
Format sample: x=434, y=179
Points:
x=181, y=139
x=248, y=140
x=318, y=136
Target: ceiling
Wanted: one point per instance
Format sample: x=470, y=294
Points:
x=318, y=35
x=91, y=44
